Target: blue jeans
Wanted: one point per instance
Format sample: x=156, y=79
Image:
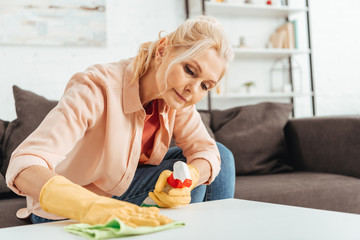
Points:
x=146, y=176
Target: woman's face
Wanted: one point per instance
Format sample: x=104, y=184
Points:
x=189, y=81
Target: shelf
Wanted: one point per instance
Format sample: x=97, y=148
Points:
x=268, y=52
x=258, y=20
x=261, y=95
x=256, y=10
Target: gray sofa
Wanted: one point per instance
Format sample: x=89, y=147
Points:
x=309, y=162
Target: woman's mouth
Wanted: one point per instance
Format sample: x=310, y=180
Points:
x=181, y=97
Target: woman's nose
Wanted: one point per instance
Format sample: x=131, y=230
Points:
x=192, y=87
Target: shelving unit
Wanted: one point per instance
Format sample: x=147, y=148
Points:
x=266, y=52
x=250, y=10
x=255, y=12
x=262, y=95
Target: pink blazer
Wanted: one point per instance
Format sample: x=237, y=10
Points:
x=93, y=135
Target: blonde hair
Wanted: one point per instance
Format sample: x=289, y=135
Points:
x=195, y=35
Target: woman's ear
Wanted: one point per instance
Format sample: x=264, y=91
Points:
x=161, y=49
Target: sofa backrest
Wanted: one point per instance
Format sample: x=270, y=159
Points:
x=325, y=144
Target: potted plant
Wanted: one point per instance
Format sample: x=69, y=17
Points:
x=249, y=86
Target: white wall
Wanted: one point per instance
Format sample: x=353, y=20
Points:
x=46, y=70
x=336, y=54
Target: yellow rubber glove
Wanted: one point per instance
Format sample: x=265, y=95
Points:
x=64, y=198
x=174, y=197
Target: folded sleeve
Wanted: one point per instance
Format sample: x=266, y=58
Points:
x=78, y=110
x=191, y=136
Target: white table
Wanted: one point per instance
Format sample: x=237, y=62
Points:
x=226, y=219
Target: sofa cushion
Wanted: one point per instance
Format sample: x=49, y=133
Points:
x=206, y=118
x=4, y=190
x=9, y=207
x=325, y=144
x=3, y=126
x=31, y=109
x=304, y=189
x=255, y=135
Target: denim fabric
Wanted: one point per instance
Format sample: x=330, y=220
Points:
x=36, y=219
x=146, y=176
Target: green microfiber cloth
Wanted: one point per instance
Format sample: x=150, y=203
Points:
x=115, y=228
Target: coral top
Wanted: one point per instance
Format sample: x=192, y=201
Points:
x=93, y=136
x=150, y=127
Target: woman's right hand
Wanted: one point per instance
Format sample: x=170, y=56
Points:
x=64, y=198
x=175, y=196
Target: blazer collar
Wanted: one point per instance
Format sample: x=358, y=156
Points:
x=131, y=94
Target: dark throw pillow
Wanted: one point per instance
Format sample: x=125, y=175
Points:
x=4, y=190
x=206, y=118
x=3, y=126
x=3, y=187
x=255, y=135
x=31, y=109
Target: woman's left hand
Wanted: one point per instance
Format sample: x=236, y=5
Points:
x=175, y=196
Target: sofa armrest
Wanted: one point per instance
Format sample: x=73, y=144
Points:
x=325, y=144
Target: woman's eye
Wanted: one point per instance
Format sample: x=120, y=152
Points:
x=188, y=70
x=204, y=87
